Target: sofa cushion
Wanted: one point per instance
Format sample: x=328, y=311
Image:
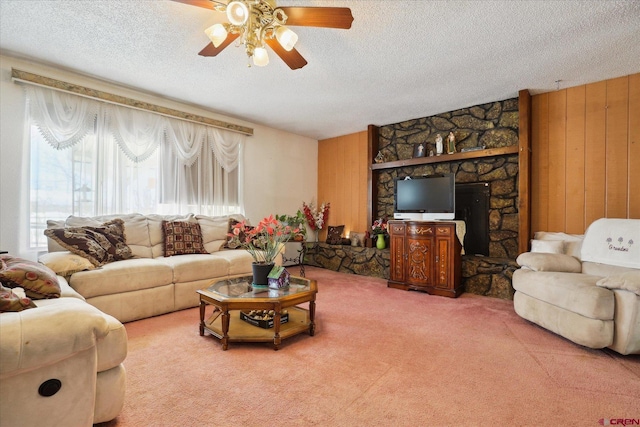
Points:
x=65, y=263
x=189, y=268
x=37, y=280
x=215, y=229
x=540, y=261
x=629, y=281
x=575, y=292
x=239, y=261
x=182, y=238
x=52, y=245
x=100, y=245
x=603, y=270
x=13, y=300
x=122, y=276
x=136, y=230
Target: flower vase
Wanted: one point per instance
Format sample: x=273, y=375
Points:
x=261, y=273
x=380, y=243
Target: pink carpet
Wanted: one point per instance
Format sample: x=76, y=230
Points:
x=380, y=356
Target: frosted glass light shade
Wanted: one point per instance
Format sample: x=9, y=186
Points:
x=237, y=13
x=217, y=34
x=286, y=38
x=260, y=57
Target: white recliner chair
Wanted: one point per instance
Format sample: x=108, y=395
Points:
x=61, y=364
x=591, y=297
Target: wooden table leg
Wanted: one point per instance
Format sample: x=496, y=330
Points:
x=202, y=307
x=276, y=326
x=312, y=315
x=225, y=328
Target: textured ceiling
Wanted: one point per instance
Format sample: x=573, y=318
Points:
x=400, y=60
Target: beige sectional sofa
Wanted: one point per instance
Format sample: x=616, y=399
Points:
x=151, y=284
x=585, y=289
x=61, y=363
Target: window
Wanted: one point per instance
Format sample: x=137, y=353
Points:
x=118, y=164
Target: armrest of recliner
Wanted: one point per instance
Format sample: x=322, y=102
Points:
x=541, y=261
x=45, y=335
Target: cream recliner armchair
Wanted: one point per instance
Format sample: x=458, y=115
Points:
x=591, y=298
x=61, y=364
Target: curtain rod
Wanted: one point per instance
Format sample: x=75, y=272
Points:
x=35, y=79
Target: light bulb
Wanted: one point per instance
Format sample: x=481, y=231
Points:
x=260, y=57
x=217, y=34
x=286, y=37
x=237, y=12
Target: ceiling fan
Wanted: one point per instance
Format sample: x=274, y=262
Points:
x=260, y=22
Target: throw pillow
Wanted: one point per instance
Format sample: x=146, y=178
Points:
x=10, y=301
x=182, y=237
x=100, y=245
x=334, y=235
x=547, y=246
x=65, y=263
x=37, y=280
x=234, y=241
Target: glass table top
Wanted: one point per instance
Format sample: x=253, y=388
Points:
x=241, y=287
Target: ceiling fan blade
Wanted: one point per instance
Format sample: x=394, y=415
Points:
x=211, y=50
x=291, y=57
x=200, y=3
x=328, y=17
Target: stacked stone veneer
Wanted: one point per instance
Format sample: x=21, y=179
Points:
x=491, y=125
x=349, y=259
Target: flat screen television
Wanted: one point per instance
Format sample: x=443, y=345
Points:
x=425, y=198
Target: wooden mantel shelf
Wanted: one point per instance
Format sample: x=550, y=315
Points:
x=489, y=152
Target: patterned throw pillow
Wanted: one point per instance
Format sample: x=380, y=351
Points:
x=233, y=241
x=182, y=237
x=100, y=245
x=10, y=301
x=334, y=235
x=37, y=280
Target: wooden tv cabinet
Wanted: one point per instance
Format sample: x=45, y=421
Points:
x=425, y=256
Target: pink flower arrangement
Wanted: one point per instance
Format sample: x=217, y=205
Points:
x=379, y=226
x=264, y=241
x=316, y=220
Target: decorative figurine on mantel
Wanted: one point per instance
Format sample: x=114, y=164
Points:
x=379, y=158
x=438, y=145
x=451, y=143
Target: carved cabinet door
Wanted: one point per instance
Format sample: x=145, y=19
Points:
x=398, y=252
x=443, y=258
x=419, y=254
x=419, y=261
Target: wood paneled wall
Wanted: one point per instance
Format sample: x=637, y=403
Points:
x=342, y=180
x=585, y=144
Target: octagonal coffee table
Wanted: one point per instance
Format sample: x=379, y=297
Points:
x=232, y=296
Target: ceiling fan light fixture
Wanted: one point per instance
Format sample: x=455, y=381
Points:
x=217, y=33
x=260, y=57
x=237, y=13
x=286, y=37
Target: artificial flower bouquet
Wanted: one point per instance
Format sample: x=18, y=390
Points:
x=264, y=241
x=379, y=227
x=316, y=219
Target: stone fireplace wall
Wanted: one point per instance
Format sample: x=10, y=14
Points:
x=491, y=125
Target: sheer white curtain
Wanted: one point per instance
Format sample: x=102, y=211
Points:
x=93, y=158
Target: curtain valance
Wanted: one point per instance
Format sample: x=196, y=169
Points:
x=64, y=119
